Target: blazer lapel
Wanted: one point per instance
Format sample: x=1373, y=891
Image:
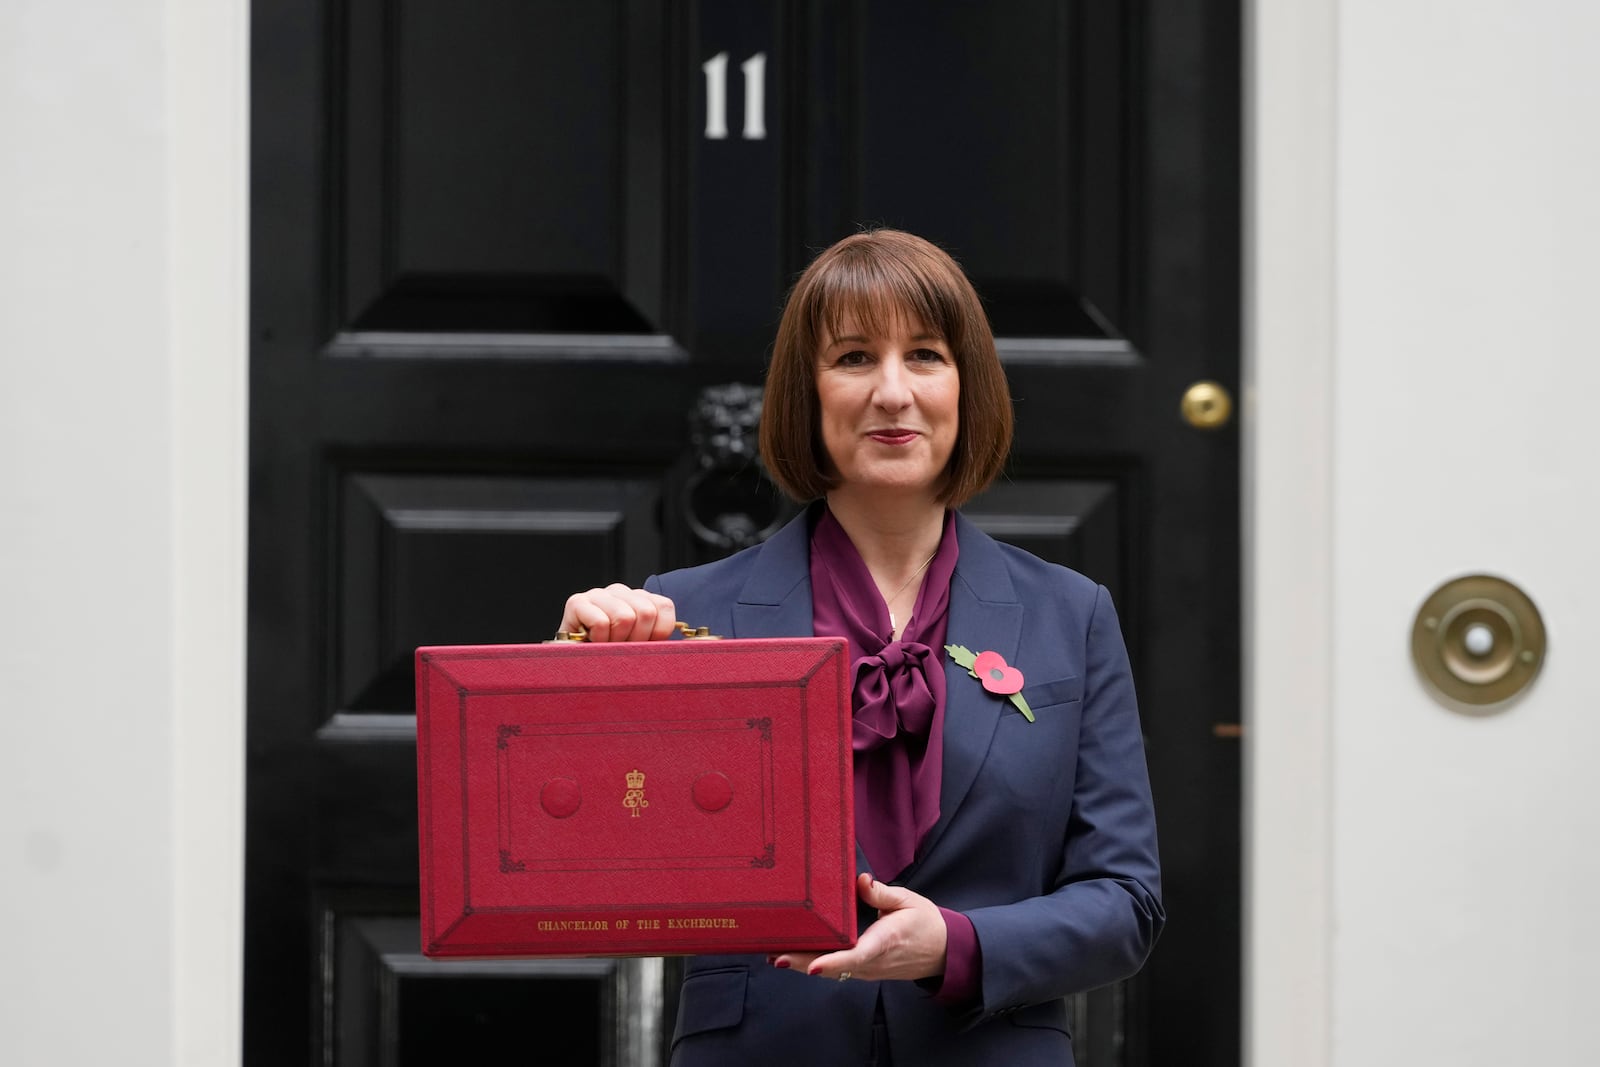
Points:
x=985, y=615
x=776, y=598
x=776, y=602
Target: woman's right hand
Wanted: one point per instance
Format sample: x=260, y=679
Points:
x=618, y=613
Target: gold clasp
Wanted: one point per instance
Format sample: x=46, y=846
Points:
x=690, y=633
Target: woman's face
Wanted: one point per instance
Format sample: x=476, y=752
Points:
x=889, y=406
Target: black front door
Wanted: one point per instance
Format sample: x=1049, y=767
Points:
x=506, y=253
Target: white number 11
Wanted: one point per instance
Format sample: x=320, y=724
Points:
x=755, y=77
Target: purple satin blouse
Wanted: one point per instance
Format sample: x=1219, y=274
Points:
x=898, y=696
x=898, y=691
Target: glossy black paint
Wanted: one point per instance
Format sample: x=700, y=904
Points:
x=495, y=260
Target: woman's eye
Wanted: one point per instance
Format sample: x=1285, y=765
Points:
x=927, y=355
x=852, y=359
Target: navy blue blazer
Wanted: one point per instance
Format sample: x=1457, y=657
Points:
x=1046, y=835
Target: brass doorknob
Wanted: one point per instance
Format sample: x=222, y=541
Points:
x=1206, y=406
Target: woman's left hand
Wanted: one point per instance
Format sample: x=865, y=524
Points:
x=907, y=941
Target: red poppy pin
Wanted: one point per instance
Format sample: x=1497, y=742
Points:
x=997, y=676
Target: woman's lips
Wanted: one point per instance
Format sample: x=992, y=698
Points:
x=893, y=437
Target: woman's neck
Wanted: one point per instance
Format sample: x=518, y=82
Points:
x=895, y=538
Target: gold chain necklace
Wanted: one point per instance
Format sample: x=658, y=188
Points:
x=893, y=626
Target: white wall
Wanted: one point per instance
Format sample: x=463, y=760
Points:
x=1420, y=878
x=122, y=489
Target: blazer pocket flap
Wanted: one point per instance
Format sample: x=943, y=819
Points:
x=1051, y=1015
x=711, y=1000
x=1060, y=691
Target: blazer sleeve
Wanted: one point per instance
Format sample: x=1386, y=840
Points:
x=1099, y=923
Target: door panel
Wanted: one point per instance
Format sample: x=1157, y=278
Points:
x=502, y=252
x=973, y=130
x=1074, y=523
x=498, y=167
x=399, y=1009
x=444, y=558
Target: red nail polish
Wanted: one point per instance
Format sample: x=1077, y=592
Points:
x=780, y=964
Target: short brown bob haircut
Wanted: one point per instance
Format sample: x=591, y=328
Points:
x=875, y=278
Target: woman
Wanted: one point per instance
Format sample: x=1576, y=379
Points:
x=1006, y=862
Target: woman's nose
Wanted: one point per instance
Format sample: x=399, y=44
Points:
x=892, y=391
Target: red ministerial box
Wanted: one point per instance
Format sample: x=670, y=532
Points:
x=635, y=799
